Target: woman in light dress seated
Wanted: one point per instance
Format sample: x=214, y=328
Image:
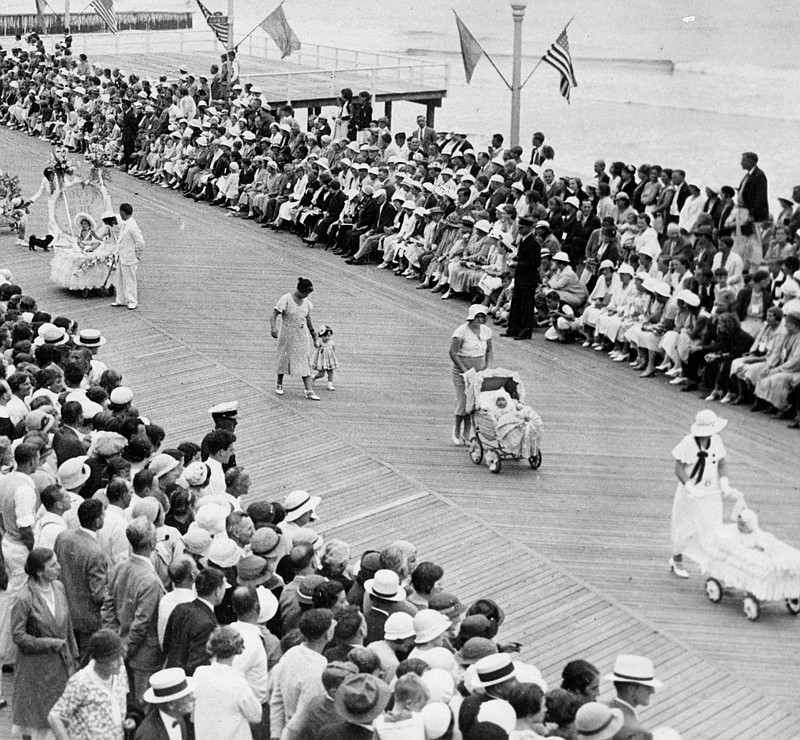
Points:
x=87, y=263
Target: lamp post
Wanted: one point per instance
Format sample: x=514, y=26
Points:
x=517, y=13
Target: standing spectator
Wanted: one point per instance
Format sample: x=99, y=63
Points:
x=171, y=701
x=112, y=536
x=190, y=624
x=635, y=683
x=320, y=712
x=56, y=503
x=131, y=605
x=522, y=317
x=17, y=509
x=359, y=700
x=83, y=572
x=182, y=574
x=130, y=247
x=94, y=703
x=42, y=631
x=225, y=705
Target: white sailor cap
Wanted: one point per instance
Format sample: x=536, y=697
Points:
x=229, y=408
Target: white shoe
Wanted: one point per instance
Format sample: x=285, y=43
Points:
x=678, y=381
x=673, y=373
x=587, y=343
x=279, y=389
x=620, y=358
x=678, y=569
x=457, y=441
x=663, y=367
x=311, y=396
x=132, y=306
x=331, y=386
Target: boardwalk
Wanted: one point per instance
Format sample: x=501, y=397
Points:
x=576, y=551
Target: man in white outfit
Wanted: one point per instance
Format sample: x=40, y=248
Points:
x=130, y=244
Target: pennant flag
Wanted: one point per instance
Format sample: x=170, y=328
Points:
x=276, y=25
x=217, y=22
x=559, y=58
x=105, y=9
x=471, y=50
x=40, y=9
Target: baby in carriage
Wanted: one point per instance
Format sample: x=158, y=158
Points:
x=518, y=428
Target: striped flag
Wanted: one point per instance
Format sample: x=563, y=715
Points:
x=217, y=22
x=105, y=9
x=471, y=50
x=559, y=58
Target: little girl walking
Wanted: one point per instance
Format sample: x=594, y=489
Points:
x=324, y=361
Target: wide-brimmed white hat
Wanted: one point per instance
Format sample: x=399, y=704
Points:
x=597, y=721
x=561, y=257
x=476, y=309
x=385, y=585
x=168, y=685
x=298, y=503
x=636, y=668
x=429, y=624
x=398, y=626
x=705, y=424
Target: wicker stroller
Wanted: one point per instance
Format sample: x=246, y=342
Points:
x=503, y=427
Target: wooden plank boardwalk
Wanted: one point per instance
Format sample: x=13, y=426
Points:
x=575, y=551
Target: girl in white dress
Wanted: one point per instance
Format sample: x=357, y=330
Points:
x=702, y=471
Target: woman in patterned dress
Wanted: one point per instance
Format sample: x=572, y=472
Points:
x=294, y=348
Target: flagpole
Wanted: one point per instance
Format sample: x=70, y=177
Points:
x=230, y=27
x=241, y=41
x=518, y=14
x=67, y=19
x=542, y=59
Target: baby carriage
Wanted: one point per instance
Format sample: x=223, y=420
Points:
x=751, y=561
x=503, y=427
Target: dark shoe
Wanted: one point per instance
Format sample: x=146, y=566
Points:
x=759, y=405
x=523, y=335
x=786, y=415
x=689, y=387
x=794, y=425
x=509, y=334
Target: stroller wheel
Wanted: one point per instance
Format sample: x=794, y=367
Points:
x=476, y=450
x=535, y=460
x=751, y=607
x=793, y=606
x=714, y=590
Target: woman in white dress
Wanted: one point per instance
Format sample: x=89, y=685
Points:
x=701, y=467
x=88, y=263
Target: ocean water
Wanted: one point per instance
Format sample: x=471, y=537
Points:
x=733, y=85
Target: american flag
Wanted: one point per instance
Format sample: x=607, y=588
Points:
x=217, y=22
x=105, y=9
x=559, y=58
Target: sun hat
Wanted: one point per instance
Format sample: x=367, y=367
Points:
x=197, y=540
x=266, y=542
x=107, y=444
x=162, y=464
x=542, y=224
x=706, y=423
x=224, y=552
x=483, y=225
x=499, y=713
x=50, y=334
x=385, y=585
x=305, y=588
x=39, y=420
x=476, y=309
x=605, y=264
x=625, y=269
x=428, y=625
x=361, y=698
x=298, y=503
x=446, y=603
x=663, y=289
x=211, y=518
x=196, y=473
x=518, y=186
x=89, y=338
x=494, y=669
x=147, y=507
x=168, y=685
x=635, y=668
x=572, y=201
x=252, y=570
x=267, y=604
x=440, y=684
x=441, y=658
x=475, y=648
x=497, y=178
x=437, y=718
x=561, y=257
x=597, y=721
x=527, y=673
x=120, y=396
x=398, y=626
x=74, y=472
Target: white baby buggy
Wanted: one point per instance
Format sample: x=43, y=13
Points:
x=744, y=558
x=504, y=428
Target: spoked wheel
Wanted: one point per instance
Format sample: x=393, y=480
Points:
x=714, y=590
x=793, y=606
x=535, y=460
x=476, y=450
x=751, y=607
x=493, y=461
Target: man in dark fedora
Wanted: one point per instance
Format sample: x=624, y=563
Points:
x=171, y=701
x=522, y=315
x=359, y=700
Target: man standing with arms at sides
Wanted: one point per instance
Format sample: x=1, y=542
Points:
x=130, y=245
x=522, y=316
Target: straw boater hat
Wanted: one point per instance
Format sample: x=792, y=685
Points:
x=89, y=338
x=706, y=424
x=635, y=668
x=385, y=585
x=51, y=334
x=298, y=503
x=494, y=669
x=168, y=685
x=598, y=722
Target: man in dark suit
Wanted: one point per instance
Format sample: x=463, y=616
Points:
x=680, y=196
x=67, y=441
x=366, y=222
x=753, y=191
x=171, y=702
x=190, y=624
x=370, y=240
x=130, y=130
x=333, y=206
x=726, y=196
x=522, y=315
x=424, y=134
x=83, y=571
